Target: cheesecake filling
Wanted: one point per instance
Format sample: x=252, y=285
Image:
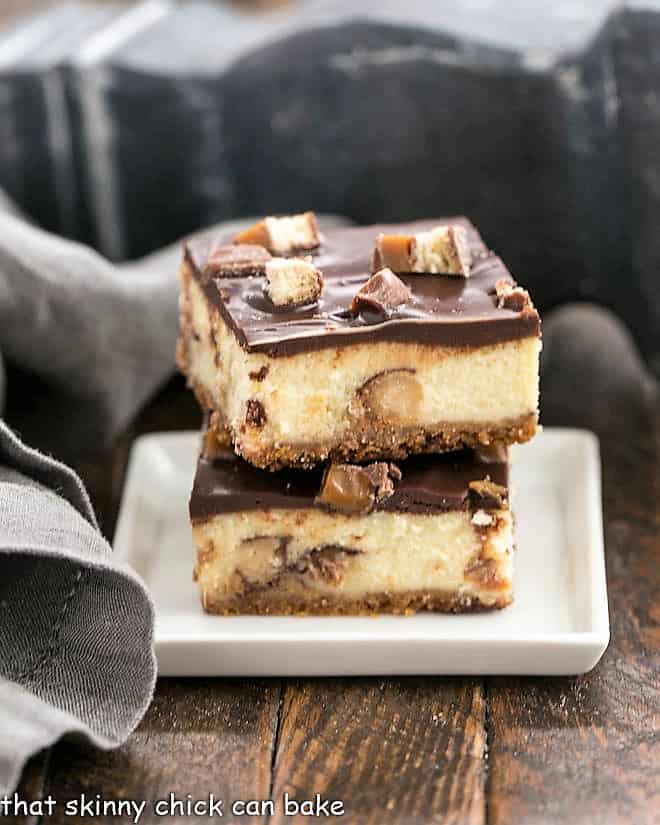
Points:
x=347, y=560
x=374, y=393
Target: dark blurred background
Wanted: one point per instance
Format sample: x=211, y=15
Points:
x=128, y=125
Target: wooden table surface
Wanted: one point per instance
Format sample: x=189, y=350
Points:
x=415, y=750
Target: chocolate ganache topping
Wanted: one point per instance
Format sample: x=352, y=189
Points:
x=428, y=484
x=444, y=310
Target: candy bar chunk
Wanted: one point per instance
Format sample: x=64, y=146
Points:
x=350, y=488
x=375, y=368
x=285, y=235
x=232, y=261
x=382, y=293
x=441, y=249
x=510, y=296
x=374, y=538
x=292, y=281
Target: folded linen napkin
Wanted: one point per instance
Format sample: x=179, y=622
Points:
x=102, y=335
x=76, y=625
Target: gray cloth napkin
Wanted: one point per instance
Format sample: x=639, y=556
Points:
x=76, y=626
x=100, y=336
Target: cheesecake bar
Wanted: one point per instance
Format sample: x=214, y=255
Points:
x=430, y=533
x=375, y=363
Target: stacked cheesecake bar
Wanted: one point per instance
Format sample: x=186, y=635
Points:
x=361, y=388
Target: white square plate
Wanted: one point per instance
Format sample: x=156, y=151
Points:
x=557, y=625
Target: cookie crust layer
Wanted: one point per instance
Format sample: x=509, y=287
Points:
x=285, y=603
x=365, y=443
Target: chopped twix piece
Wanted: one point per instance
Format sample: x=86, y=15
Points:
x=290, y=233
x=349, y=488
x=441, y=250
x=292, y=281
x=382, y=293
x=231, y=261
x=510, y=296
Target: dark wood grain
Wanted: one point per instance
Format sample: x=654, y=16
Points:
x=199, y=736
x=393, y=750
x=587, y=749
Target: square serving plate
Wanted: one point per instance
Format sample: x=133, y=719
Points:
x=557, y=625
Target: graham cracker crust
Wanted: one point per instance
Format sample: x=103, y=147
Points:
x=369, y=444
x=282, y=603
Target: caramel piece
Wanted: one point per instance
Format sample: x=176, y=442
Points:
x=257, y=234
x=382, y=293
x=442, y=250
x=394, y=396
x=292, y=281
x=349, y=488
x=231, y=261
x=215, y=444
x=486, y=495
x=281, y=236
x=394, y=252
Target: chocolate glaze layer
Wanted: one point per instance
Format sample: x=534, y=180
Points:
x=429, y=484
x=445, y=311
